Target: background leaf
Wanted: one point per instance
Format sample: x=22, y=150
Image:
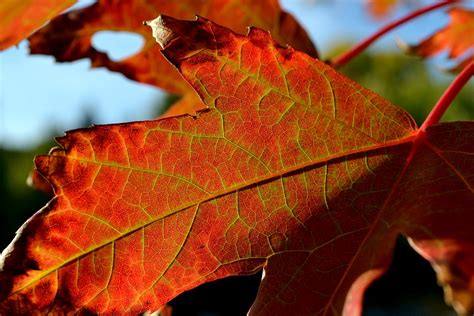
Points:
x=68, y=37
x=18, y=19
x=456, y=38
x=379, y=9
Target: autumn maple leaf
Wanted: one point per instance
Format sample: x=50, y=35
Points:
x=293, y=168
x=456, y=38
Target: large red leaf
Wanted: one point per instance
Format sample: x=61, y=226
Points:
x=18, y=19
x=294, y=168
x=456, y=38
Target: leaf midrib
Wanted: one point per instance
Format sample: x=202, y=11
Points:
x=407, y=139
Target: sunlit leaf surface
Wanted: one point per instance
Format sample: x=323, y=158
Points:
x=293, y=168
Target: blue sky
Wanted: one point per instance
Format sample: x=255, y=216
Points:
x=39, y=97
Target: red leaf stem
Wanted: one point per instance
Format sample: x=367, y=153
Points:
x=448, y=96
x=345, y=57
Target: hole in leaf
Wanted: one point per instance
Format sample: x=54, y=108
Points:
x=231, y=296
x=118, y=45
x=409, y=287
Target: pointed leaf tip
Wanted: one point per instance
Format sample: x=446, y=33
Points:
x=161, y=34
x=165, y=28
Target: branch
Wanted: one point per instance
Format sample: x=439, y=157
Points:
x=345, y=57
x=448, y=96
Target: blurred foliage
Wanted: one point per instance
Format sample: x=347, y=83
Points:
x=19, y=201
x=408, y=82
x=165, y=103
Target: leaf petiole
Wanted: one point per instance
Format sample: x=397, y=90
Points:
x=345, y=57
x=448, y=96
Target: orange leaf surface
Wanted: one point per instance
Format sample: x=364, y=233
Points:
x=37, y=181
x=293, y=168
x=68, y=37
x=18, y=19
x=457, y=37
